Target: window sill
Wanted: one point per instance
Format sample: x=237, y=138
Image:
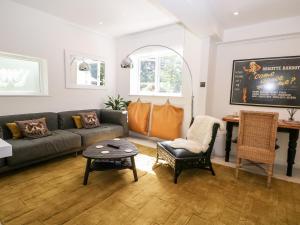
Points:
x=157, y=95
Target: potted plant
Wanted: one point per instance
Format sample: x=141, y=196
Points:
x=116, y=103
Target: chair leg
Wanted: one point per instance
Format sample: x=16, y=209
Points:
x=176, y=174
x=238, y=165
x=157, y=157
x=270, y=174
x=212, y=169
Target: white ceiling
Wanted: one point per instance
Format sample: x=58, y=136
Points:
x=203, y=17
x=211, y=17
x=252, y=11
x=119, y=17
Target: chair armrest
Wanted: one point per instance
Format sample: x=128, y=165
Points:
x=115, y=117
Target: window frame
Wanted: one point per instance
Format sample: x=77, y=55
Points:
x=157, y=58
x=43, y=76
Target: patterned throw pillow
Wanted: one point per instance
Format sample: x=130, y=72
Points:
x=34, y=128
x=89, y=120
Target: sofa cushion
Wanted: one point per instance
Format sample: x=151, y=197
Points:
x=2, y=162
x=51, y=119
x=65, y=120
x=177, y=152
x=94, y=135
x=30, y=149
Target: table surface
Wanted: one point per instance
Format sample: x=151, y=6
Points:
x=95, y=153
x=281, y=123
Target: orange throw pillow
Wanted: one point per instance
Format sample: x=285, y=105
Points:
x=138, y=117
x=166, y=121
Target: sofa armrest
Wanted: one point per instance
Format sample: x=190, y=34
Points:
x=115, y=117
x=1, y=133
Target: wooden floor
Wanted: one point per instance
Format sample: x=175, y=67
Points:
x=52, y=193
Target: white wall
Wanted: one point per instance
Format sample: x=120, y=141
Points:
x=194, y=50
x=219, y=92
x=30, y=32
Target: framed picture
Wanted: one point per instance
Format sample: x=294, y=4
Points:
x=84, y=71
x=271, y=82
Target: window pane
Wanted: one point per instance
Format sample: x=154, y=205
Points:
x=147, y=75
x=19, y=76
x=170, y=77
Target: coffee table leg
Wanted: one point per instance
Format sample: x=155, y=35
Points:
x=134, y=168
x=87, y=171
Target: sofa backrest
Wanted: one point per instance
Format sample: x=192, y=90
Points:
x=65, y=120
x=51, y=120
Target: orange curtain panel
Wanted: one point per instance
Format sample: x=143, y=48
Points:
x=138, y=117
x=166, y=121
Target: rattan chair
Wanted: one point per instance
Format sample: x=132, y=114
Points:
x=256, y=140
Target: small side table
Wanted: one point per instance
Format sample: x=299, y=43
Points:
x=5, y=149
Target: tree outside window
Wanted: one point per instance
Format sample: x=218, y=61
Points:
x=160, y=74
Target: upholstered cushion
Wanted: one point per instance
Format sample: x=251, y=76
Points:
x=51, y=119
x=77, y=121
x=89, y=120
x=103, y=132
x=2, y=162
x=65, y=120
x=36, y=128
x=177, y=152
x=14, y=129
x=25, y=150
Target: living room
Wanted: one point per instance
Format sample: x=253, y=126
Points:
x=110, y=111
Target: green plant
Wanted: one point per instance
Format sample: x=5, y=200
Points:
x=116, y=103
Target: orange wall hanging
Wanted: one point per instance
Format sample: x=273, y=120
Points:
x=166, y=121
x=138, y=116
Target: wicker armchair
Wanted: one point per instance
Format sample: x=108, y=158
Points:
x=257, y=139
x=180, y=159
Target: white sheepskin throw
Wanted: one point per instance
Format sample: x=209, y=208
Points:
x=199, y=135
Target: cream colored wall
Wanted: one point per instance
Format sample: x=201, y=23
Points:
x=219, y=92
x=30, y=32
x=194, y=50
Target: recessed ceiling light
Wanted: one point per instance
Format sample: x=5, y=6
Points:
x=236, y=13
x=100, y=23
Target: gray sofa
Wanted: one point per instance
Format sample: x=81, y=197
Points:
x=65, y=138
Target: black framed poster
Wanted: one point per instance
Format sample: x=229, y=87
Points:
x=266, y=82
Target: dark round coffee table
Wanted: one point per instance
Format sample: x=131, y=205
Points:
x=108, y=158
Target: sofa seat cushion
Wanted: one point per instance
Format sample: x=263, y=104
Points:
x=178, y=152
x=104, y=132
x=2, y=162
x=30, y=149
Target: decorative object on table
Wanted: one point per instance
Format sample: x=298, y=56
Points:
x=257, y=145
x=138, y=116
x=166, y=121
x=84, y=71
x=266, y=82
x=127, y=63
x=292, y=112
x=116, y=103
x=108, y=158
x=180, y=158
